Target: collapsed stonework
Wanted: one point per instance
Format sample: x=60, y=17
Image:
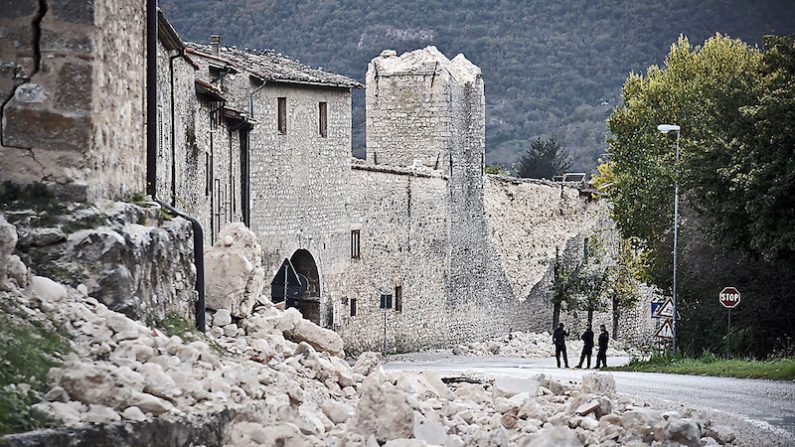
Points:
x=262, y=380
x=134, y=258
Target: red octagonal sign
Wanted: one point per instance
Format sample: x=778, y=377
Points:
x=729, y=297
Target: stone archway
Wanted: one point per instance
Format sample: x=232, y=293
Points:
x=298, y=281
x=309, y=303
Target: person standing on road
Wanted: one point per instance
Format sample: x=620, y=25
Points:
x=587, y=346
x=601, y=354
x=559, y=339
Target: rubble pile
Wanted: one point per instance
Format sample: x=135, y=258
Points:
x=532, y=345
x=289, y=386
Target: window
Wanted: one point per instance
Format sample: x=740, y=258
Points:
x=207, y=185
x=355, y=254
x=398, y=298
x=282, y=109
x=323, y=114
x=353, y=307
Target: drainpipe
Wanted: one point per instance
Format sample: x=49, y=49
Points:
x=246, y=184
x=198, y=260
x=151, y=97
x=151, y=156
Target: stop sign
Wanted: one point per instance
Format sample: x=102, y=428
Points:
x=729, y=297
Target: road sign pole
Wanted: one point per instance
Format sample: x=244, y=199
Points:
x=676, y=240
x=384, y=333
x=728, y=337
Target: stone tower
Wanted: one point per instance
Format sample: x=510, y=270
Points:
x=425, y=109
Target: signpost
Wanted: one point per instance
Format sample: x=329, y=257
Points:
x=729, y=297
x=655, y=306
x=386, y=304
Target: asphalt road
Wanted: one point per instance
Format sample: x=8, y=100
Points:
x=762, y=412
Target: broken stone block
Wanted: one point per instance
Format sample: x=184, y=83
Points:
x=234, y=273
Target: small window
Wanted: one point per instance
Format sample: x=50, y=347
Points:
x=355, y=244
x=323, y=114
x=282, y=109
x=398, y=298
x=207, y=185
x=353, y=307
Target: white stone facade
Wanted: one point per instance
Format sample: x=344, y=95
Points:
x=472, y=255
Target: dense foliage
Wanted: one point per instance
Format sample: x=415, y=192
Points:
x=551, y=68
x=736, y=108
x=544, y=158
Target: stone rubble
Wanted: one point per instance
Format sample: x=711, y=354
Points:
x=290, y=386
x=533, y=345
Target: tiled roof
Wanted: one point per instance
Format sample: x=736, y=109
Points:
x=271, y=66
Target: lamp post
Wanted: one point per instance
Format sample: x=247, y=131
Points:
x=665, y=128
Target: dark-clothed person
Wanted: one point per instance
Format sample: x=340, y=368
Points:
x=559, y=339
x=601, y=354
x=587, y=346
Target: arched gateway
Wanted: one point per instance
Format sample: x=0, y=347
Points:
x=298, y=282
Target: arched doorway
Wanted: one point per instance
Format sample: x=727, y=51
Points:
x=298, y=282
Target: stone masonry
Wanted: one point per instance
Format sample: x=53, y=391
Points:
x=254, y=137
x=72, y=86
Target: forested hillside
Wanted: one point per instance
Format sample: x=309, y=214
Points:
x=551, y=67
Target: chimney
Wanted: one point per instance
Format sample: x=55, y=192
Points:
x=215, y=44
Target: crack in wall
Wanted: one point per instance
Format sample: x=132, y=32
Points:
x=35, y=24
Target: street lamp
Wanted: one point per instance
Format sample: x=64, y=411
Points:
x=665, y=128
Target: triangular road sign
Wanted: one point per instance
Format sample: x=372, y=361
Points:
x=666, y=330
x=666, y=310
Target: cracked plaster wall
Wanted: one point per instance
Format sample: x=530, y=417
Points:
x=72, y=82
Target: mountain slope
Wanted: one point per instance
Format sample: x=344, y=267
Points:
x=551, y=68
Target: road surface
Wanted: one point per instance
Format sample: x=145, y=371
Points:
x=762, y=412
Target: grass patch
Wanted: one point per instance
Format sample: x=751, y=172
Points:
x=176, y=324
x=27, y=352
x=709, y=365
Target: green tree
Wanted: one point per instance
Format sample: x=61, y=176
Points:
x=700, y=89
x=497, y=170
x=754, y=162
x=545, y=158
x=736, y=108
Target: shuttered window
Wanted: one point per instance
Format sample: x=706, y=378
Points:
x=323, y=115
x=282, y=115
x=355, y=253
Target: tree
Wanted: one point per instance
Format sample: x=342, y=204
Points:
x=736, y=108
x=754, y=163
x=545, y=158
x=497, y=170
x=700, y=89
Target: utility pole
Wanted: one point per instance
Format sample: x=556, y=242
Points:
x=665, y=128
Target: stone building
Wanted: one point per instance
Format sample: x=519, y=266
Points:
x=255, y=137
x=72, y=86
x=295, y=161
x=464, y=255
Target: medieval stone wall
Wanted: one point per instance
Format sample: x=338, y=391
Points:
x=408, y=116
x=402, y=216
x=72, y=88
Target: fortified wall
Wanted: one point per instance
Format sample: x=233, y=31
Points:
x=255, y=137
x=465, y=256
